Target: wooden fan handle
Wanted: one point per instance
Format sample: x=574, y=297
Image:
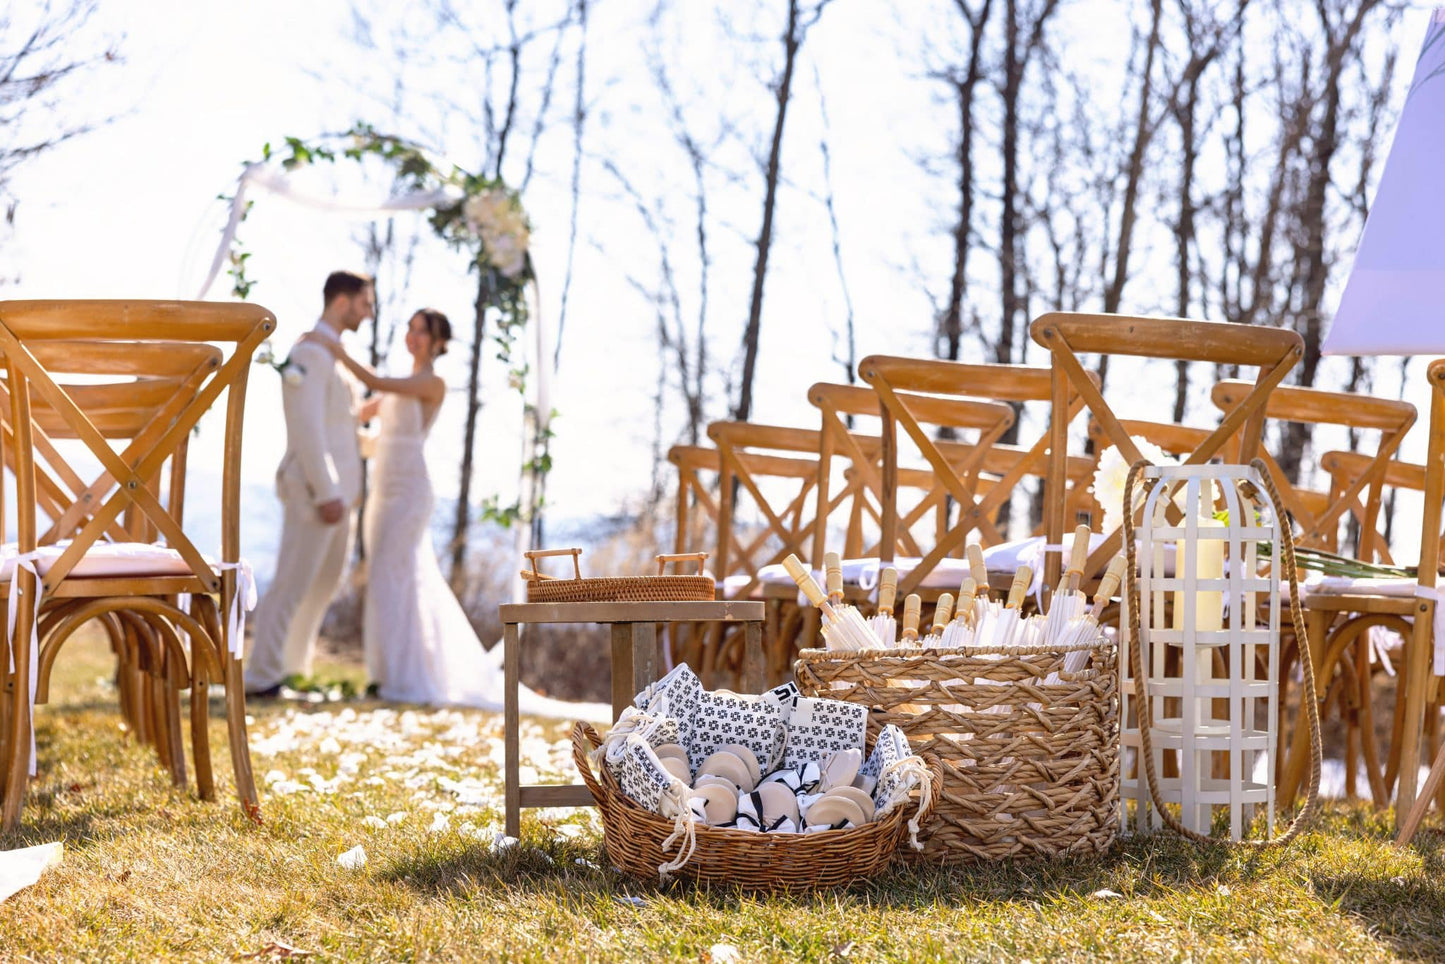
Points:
x=805, y=581
x=1019, y=587
x=978, y=569
x=912, y=605
x=833, y=575
x=887, y=590
x=1109, y=583
x=1078, y=557
x=942, y=613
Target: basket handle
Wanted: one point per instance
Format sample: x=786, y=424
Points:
x=679, y=557
x=532, y=555
x=585, y=741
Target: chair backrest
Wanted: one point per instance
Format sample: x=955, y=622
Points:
x=1345, y=468
x=774, y=469
x=898, y=381
x=975, y=424
x=1272, y=351
x=139, y=374
x=142, y=379
x=1319, y=515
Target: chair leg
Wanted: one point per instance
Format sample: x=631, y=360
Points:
x=201, y=737
x=236, y=735
x=1299, y=752
x=18, y=760
x=172, y=704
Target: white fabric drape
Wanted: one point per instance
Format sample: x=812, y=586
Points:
x=1393, y=304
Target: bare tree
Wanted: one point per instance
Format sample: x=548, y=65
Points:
x=1023, y=37
x=963, y=80
x=800, y=21
x=45, y=55
x=1207, y=38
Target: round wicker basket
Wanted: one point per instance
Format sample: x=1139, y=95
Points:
x=1030, y=764
x=737, y=858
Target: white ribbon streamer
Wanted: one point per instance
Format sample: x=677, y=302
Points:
x=26, y=561
x=241, y=603
x=269, y=178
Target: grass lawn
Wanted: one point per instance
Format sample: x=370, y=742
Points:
x=151, y=873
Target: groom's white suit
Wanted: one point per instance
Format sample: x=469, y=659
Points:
x=322, y=464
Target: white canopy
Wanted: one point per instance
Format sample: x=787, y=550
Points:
x=1394, y=299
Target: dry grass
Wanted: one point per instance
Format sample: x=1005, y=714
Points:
x=150, y=873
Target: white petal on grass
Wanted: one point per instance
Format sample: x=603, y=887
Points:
x=353, y=859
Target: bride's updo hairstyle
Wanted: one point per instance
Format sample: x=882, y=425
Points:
x=438, y=327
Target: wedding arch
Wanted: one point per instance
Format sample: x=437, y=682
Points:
x=479, y=217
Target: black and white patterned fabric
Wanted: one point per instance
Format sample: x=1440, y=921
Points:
x=675, y=695
x=818, y=728
x=640, y=774
x=722, y=718
x=891, y=746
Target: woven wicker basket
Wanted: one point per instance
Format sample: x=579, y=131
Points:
x=772, y=862
x=658, y=588
x=1030, y=769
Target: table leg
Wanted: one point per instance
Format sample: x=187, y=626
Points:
x=511, y=673
x=644, y=659
x=622, y=692
x=753, y=668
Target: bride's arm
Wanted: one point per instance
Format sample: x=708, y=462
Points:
x=428, y=387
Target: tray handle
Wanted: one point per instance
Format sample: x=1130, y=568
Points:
x=680, y=557
x=532, y=555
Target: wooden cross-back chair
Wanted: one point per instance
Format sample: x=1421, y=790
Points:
x=897, y=380
x=1067, y=336
x=152, y=375
x=753, y=458
x=1340, y=616
x=769, y=471
x=985, y=422
x=1344, y=469
x=84, y=369
x=1319, y=515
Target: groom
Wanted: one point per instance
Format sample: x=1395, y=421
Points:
x=319, y=483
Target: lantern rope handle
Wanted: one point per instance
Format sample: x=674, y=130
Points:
x=1141, y=696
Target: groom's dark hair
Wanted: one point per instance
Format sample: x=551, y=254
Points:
x=340, y=283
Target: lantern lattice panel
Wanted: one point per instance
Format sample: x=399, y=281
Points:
x=1209, y=642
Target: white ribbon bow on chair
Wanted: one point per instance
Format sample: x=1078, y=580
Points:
x=26, y=561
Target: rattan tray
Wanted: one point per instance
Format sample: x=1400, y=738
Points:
x=658, y=588
x=781, y=862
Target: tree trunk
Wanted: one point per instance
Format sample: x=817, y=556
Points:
x=791, y=42
x=952, y=327
x=462, y=521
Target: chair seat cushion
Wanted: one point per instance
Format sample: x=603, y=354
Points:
x=103, y=560
x=1349, y=586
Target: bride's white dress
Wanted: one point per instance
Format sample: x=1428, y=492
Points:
x=420, y=647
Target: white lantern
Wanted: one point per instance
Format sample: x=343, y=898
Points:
x=1209, y=642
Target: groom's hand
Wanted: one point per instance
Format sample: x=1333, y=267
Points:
x=331, y=512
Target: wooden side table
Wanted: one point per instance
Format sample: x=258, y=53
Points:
x=635, y=664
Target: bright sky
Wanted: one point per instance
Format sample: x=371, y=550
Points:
x=130, y=211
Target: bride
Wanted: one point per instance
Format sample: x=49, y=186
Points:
x=419, y=644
